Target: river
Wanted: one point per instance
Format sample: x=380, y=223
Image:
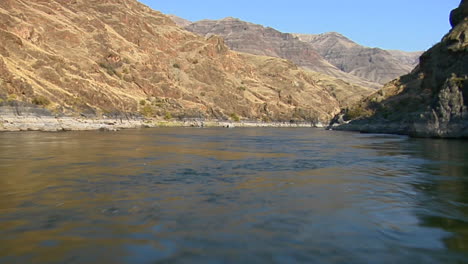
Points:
x=216, y=195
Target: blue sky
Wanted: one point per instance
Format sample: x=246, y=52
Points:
x=397, y=24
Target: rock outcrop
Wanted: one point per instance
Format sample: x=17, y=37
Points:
x=259, y=40
x=431, y=101
x=372, y=64
x=105, y=57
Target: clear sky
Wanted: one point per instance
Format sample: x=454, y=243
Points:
x=390, y=24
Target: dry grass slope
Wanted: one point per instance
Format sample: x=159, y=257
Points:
x=104, y=57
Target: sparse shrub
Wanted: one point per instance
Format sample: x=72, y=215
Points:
x=142, y=102
x=147, y=111
x=235, y=117
x=41, y=100
x=242, y=88
x=374, y=105
x=354, y=113
x=12, y=97
x=109, y=68
x=176, y=65
x=1, y=100
x=126, y=60
x=127, y=77
x=202, y=93
x=168, y=116
x=110, y=72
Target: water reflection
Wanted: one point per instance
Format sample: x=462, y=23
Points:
x=440, y=182
x=448, y=192
x=231, y=195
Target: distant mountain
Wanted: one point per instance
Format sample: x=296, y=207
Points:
x=431, y=101
x=329, y=53
x=373, y=64
x=409, y=58
x=113, y=57
x=259, y=40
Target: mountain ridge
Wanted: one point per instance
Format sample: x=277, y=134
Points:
x=266, y=41
x=349, y=61
x=94, y=58
x=373, y=64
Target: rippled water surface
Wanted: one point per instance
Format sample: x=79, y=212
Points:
x=232, y=196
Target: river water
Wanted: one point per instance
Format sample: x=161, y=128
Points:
x=232, y=196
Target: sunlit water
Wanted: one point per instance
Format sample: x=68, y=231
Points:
x=232, y=196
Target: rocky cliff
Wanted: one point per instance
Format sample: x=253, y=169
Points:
x=259, y=40
x=373, y=64
x=108, y=57
x=432, y=100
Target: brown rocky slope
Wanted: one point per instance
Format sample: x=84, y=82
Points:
x=431, y=101
x=372, y=64
x=259, y=40
x=104, y=57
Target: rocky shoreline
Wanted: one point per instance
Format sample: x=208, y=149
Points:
x=54, y=124
x=421, y=129
x=36, y=119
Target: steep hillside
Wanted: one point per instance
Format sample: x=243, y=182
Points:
x=94, y=57
x=373, y=64
x=432, y=100
x=259, y=40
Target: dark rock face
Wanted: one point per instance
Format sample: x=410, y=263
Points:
x=373, y=64
x=259, y=40
x=457, y=15
x=449, y=114
x=432, y=100
x=23, y=109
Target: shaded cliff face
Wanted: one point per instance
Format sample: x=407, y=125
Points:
x=259, y=40
x=432, y=100
x=119, y=56
x=373, y=64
